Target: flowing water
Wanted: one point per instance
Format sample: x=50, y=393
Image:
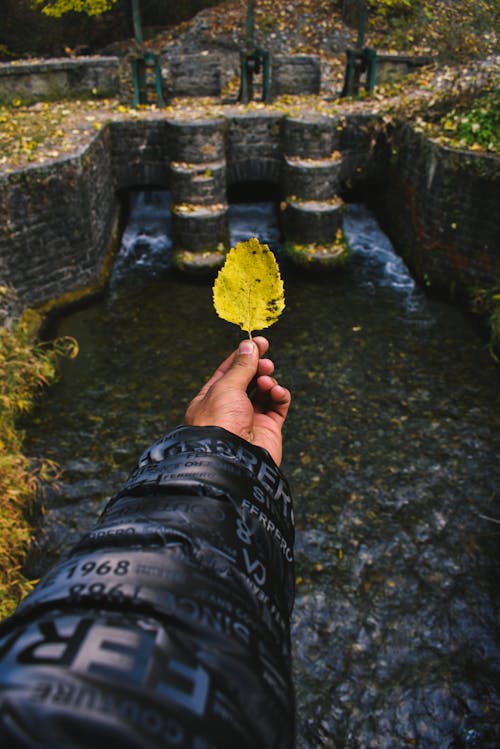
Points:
x=391, y=448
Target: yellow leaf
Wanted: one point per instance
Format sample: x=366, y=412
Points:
x=248, y=290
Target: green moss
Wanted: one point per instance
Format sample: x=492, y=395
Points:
x=203, y=264
x=319, y=257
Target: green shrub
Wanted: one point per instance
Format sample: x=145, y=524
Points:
x=474, y=126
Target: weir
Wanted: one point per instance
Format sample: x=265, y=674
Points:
x=62, y=220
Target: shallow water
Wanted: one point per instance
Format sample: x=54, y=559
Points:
x=391, y=449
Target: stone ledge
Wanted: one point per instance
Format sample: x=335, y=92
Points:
x=295, y=74
x=198, y=228
x=305, y=163
x=331, y=205
x=312, y=221
x=183, y=167
x=49, y=80
x=195, y=75
x=313, y=137
x=319, y=257
x=199, y=264
x=316, y=179
x=196, y=211
x=198, y=183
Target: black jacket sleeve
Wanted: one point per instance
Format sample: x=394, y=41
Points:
x=168, y=625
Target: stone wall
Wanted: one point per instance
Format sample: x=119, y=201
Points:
x=295, y=74
x=140, y=153
x=440, y=207
x=255, y=147
x=394, y=67
x=51, y=80
x=58, y=221
x=194, y=75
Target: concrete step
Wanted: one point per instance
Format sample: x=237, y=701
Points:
x=306, y=221
x=202, y=183
x=313, y=179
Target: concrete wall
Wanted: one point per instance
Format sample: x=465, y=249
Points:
x=57, y=224
x=52, y=80
x=394, y=67
x=255, y=147
x=194, y=75
x=439, y=206
x=139, y=153
x=295, y=74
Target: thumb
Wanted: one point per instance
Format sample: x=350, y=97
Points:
x=244, y=366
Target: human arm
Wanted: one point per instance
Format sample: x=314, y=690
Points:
x=168, y=624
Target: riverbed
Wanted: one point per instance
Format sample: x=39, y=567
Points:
x=391, y=449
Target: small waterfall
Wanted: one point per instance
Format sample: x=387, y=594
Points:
x=374, y=261
x=254, y=220
x=146, y=243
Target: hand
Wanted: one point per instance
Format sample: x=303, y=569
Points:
x=224, y=401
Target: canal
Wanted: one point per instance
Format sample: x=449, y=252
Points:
x=391, y=449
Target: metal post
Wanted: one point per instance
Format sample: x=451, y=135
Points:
x=266, y=79
x=371, y=58
x=250, y=26
x=136, y=19
x=348, y=89
x=362, y=16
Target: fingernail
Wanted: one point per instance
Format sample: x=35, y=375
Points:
x=246, y=347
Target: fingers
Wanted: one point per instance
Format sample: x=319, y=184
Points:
x=266, y=367
x=244, y=366
x=262, y=346
x=272, y=397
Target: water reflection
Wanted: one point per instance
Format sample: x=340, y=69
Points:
x=392, y=453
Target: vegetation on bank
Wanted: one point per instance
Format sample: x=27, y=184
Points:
x=473, y=125
x=453, y=31
x=26, y=366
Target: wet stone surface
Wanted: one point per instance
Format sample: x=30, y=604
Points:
x=391, y=449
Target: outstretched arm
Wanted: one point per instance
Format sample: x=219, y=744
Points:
x=168, y=623
x=225, y=400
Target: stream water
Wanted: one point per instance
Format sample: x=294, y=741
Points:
x=391, y=449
